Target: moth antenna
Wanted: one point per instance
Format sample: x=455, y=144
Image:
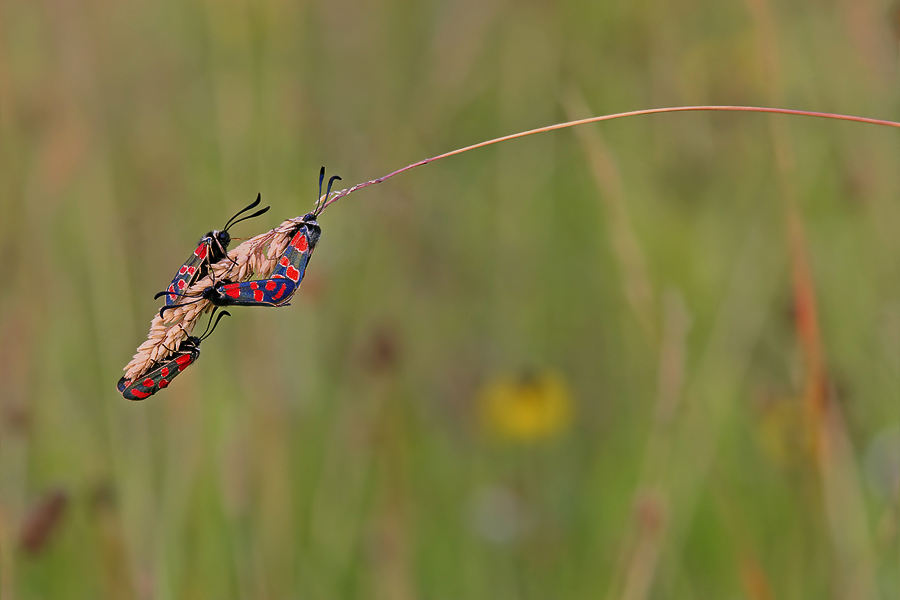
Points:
x=209, y=331
x=208, y=323
x=331, y=183
x=173, y=306
x=167, y=292
x=319, y=197
x=327, y=193
x=232, y=221
x=256, y=214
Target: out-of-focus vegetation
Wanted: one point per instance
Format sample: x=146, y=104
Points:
x=705, y=308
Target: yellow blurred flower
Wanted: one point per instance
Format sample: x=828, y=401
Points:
x=530, y=406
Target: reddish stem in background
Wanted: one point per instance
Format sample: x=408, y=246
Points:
x=633, y=113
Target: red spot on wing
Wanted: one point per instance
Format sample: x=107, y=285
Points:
x=192, y=270
x=182, y=270
x=254, y=285
x=163, y=383
x=293, y=274
x=183, y=361
x=270, y=285
x=147, y=383
x=201, y=251
x=139, y=394
x=164, y=372
x=257, y=295
x=277, y=276
x=284, y=261
x=280, y=292
x=299, y=242
x=233, y=290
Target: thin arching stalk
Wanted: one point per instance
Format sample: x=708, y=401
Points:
x=633, y=113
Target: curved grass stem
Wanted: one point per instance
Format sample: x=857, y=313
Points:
x=633, y=113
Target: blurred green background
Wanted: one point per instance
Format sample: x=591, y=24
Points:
x=654, y=358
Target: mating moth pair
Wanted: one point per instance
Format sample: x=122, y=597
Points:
x=277, y=290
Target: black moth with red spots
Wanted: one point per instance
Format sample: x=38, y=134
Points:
x=212, y=248
x=275, y=291
x=288, y=273
x=165, y=370
x=285, y=279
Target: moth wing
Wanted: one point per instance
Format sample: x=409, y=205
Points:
x=262, y=292
x=188, y=273
x=155, y=379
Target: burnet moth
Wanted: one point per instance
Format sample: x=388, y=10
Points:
x=212, y=248
x=166, y=369
x=285, y=279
